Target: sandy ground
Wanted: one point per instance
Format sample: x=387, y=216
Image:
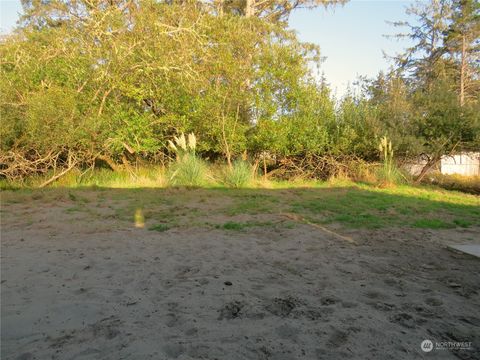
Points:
x=79, y=286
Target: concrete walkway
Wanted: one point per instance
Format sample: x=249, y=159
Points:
x=471, y=249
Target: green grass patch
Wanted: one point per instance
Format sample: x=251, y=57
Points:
x=463, y=223
x=159, y=227
x=74, y=209
x=239, y=175
x=349, y=204
x=239, y=226
x=189, y=170
x=363, y=206
x=252, y=203
x=432, y=224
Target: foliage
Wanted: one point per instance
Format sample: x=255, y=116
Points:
x=468, y=184
x=114, y=82
x=188, y=170
x=240, y=174
x=388, y=172
x=183, y=146
x=239, y=226
x=87, y=84
x=159, y=227
x=361, y=206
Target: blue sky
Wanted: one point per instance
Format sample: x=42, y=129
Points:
x=350, y=37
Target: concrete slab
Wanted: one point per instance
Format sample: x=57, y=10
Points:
x=471, y=249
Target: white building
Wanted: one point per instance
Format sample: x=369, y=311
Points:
x=467, y=164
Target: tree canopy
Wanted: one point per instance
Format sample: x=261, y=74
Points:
x=89, y=81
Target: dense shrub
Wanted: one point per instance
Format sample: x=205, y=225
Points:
x=84, y=84
x=189, y=170
x=240, y=174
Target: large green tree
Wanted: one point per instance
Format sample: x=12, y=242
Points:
x=121, y=77
x=462, y=41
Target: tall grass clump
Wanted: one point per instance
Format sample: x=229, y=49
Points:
x=468, y=184
x=240, y=174
x=388, y=173
x=126, y=178
x=188, y=169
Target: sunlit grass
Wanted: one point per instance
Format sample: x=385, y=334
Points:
x=339, y=201
x=142, y=177
x=366, y=206
x=239, y=175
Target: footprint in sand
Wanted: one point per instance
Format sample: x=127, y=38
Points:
x=199, y=351
x=383, y=306
x=287, y=332
x=433, y=302
x=375, y=295
x=25, y=356
x=172, y=320
x=405, y=320
x=173, y=351
x=328, y=300
x=282, y=307
x=231, y=310
x=338, y=338
x=191, y=332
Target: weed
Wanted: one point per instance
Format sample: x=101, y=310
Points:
x=388, y=173
x=38, y=195
x=238, y=226
x=432, y=224
x=251, y=203
x=159, y=227
x=239, y=175
x=289, y=225
x=188, y=170
x=73, y=209
x=469, y=184
x=462, y=223
x=231, y=225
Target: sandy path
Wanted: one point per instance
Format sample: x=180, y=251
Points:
x=77, y=288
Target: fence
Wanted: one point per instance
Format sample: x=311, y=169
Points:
x=467, y=164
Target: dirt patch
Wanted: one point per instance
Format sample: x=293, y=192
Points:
x=87, y=284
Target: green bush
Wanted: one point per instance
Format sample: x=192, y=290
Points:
x=239, y=175
x=188, y=170
x=388, y=173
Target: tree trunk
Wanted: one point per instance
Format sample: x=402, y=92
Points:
x=255, y=167
x=56, y=177
x=109, y=162
x=249, y=8
x=228, y=155
x=264, y=167
x=462, y=71
x=431, y=163
x=220, y=4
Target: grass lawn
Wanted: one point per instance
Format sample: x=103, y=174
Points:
x=348, y=204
